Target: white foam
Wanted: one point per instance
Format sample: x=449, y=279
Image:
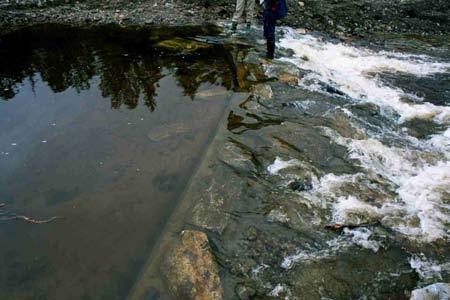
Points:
x=280, y=291
x=280, y=164
x=441, y=143
x=353, y=71
x=422, y=195
x=334, y=246
x=361, y=237
x=358, y=236
x=420, y=184
x=428, y=270
x=438, y=291
x=350, y=210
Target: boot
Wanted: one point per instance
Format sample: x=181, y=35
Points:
x=270, y=49
x=233, y=26
x=249, y=26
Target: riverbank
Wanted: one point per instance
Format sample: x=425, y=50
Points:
x=322, y=176
x=338, y=18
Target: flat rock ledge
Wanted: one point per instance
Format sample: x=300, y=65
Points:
x=191, y=270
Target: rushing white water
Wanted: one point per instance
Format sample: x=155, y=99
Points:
x=358, y=236
x=428, y=270
x=420, y=176
x=353, y=71
x=280, y=164
x=421, y=188
x=406, y=178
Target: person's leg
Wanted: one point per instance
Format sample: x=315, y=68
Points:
x=269, y=33
x=250, y=12
x=240, y=5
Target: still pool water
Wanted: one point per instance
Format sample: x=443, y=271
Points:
x=103, y=129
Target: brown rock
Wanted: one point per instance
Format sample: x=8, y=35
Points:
x=191, y=270
x=263, y=91
x=289, y=78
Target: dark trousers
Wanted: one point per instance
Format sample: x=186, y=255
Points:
x=269, y=32
x=269, y=26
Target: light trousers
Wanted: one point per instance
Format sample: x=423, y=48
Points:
x=248, y=6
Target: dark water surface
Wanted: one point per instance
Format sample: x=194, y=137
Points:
x=103, y=129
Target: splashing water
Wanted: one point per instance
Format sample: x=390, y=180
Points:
x=409, y=176
x=353, y=71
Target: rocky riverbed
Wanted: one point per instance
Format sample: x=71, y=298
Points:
x=324, y=181
x=348, y=17
x=328, y=175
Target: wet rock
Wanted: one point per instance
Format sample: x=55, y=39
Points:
x=245, y=292
x=289, y=78
x=215, y=200
x=278, y=215
x=333, y=90
x=182, y=45
x=191, y=270
x=237, y=157
x=369, y=109
x=341, y=122
x=263, y=91
x=243, y=267
x=283, y=71
x=161, y=133
x=153, y=294
x=315, y=149
x=437, y=291
x=214, y=92
x=300, y=185
x=252, y=234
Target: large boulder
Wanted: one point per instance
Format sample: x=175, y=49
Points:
x=190, y=269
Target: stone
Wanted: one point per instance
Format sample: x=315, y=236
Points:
x=301, y=185
x=214, y=199
x=289, y=78
x=191, y=270
x=245, y=292
x=214, y=92
x=182, y=45
x=163, y=132
x=252, y=234
x=263, y=91
x=238, y=158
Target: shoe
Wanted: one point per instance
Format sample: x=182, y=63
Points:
x=233, y=26
x=270, y=49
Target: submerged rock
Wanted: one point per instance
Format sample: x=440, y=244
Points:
x=437, y=291
x=182, y=45
x=214, y=92
x=237, y=157
x=191, y=270
x=161, y=133
x=215, y=198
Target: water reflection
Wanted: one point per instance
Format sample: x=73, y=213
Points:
x=128, y=65
x=115, y=175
